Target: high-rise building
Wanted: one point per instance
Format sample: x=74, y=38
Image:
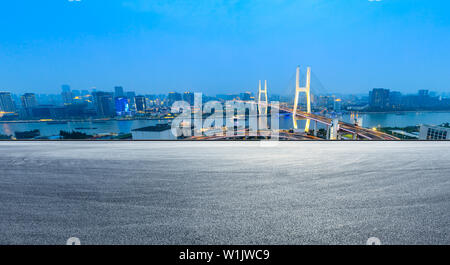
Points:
x=118, y=91
x=28, y=103
x=104, y=103
x=6, y=102
x=395, y=99
x=189, y=97
x=141, y=105
x=131, y=101
x=173, y=96
x=76, y=93
x=66, y=95
x=337, y=106
x=65, y=88
x=379, y=99
x=424, y=98
x=29, y=100
x=122, y=107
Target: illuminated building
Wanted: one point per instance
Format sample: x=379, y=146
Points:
x=337, y=105
x=122, y=107
x=141, y=105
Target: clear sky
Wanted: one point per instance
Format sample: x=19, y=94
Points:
x=215, y=46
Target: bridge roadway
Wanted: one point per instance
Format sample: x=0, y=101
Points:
x=282, y=135
x=362, y=132
x=365, y=133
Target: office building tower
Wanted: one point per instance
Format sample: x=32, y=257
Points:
x=379, y=99
x=122, y=107
x=131, y=99
x=104, y=103
x=28, y=103
x=395, y=99
x=118, y=91
x=189, y=98
x=173, y=96
x=66, y=95
x=141, y=105
x=6, y=102
x=337, y=105
x=29, y=100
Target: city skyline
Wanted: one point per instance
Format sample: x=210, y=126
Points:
x=223, y=48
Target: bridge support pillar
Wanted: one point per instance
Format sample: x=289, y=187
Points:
x=315, y=128
x=306, y=90
x=334, y=128
x=262, y=109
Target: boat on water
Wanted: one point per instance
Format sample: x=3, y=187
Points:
x=27, y=134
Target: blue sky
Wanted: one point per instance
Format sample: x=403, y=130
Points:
x=223, y=46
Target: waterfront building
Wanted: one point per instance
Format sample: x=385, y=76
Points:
x=121, y=106
x=48, y=112
x=104, y=104
x=379, y=99
x=423, y=98
x=395, y=99
x=28, y=102
x=432, y=132
x=80, y=110
x=141, y=105
x=131, y=99
x=6, y=102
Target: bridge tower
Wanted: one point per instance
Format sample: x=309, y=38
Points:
x=306, y=89
x=333, y=130
x=266, y=99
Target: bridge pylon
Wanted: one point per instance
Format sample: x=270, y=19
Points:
x=306, y=89
x=266, y=99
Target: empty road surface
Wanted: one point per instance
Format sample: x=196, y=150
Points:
x=224, y=192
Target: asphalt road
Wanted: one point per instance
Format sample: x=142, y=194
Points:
x=224, y=192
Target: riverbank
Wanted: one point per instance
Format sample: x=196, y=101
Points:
x=82, y=120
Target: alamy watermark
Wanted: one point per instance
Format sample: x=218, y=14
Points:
x=232, y=119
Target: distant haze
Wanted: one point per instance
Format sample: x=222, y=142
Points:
x=220, y=47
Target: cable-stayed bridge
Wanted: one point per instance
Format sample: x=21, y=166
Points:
x=334, y=128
